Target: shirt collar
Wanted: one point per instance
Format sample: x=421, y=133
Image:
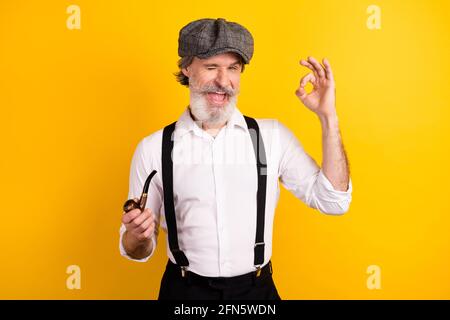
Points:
x=186, y=123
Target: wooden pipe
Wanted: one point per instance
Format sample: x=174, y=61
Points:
x=132, y=204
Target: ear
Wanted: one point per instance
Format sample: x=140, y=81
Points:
x=185, y=72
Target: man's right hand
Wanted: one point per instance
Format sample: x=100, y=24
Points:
x=140, y=228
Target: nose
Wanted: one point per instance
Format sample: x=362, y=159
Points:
x=222, y=79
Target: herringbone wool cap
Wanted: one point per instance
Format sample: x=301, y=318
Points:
x=207, y=37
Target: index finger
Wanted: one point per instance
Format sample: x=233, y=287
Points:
x=131, y=215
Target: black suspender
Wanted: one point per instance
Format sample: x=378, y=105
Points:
x=261, y=167
x=167, y=173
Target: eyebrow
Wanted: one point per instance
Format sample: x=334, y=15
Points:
x=216, y=65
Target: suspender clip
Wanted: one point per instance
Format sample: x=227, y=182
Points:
x=258, y=271
x=183, y=271
x=259, y=252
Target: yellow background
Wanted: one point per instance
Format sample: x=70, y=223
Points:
x=75, y=103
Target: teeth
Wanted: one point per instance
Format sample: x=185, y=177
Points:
x=221, y=96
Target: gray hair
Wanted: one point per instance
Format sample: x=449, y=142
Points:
x=186, y=62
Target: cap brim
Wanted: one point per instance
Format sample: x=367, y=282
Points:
x=222, y=50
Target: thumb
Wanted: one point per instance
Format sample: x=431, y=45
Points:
x=301, y=93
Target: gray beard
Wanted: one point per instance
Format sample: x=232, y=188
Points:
x=211, y=115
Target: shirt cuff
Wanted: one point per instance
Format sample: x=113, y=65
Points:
x=330, y=190
x=329, y=200
x=124, y=253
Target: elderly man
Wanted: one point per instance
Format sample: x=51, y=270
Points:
x=218, y=177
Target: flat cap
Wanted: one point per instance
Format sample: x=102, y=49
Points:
x=207, y=37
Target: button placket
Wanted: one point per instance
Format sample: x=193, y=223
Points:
x=218, y=164
x=216, y=187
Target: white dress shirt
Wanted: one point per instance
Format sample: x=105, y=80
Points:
x=215, y=185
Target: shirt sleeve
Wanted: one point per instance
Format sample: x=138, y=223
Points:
x=300, y=174
x=141, y=166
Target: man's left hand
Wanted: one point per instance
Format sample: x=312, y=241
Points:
x=322, y=99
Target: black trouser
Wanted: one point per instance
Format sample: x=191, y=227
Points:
x=195, y=287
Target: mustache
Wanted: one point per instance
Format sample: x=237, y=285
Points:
x=214, y=88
